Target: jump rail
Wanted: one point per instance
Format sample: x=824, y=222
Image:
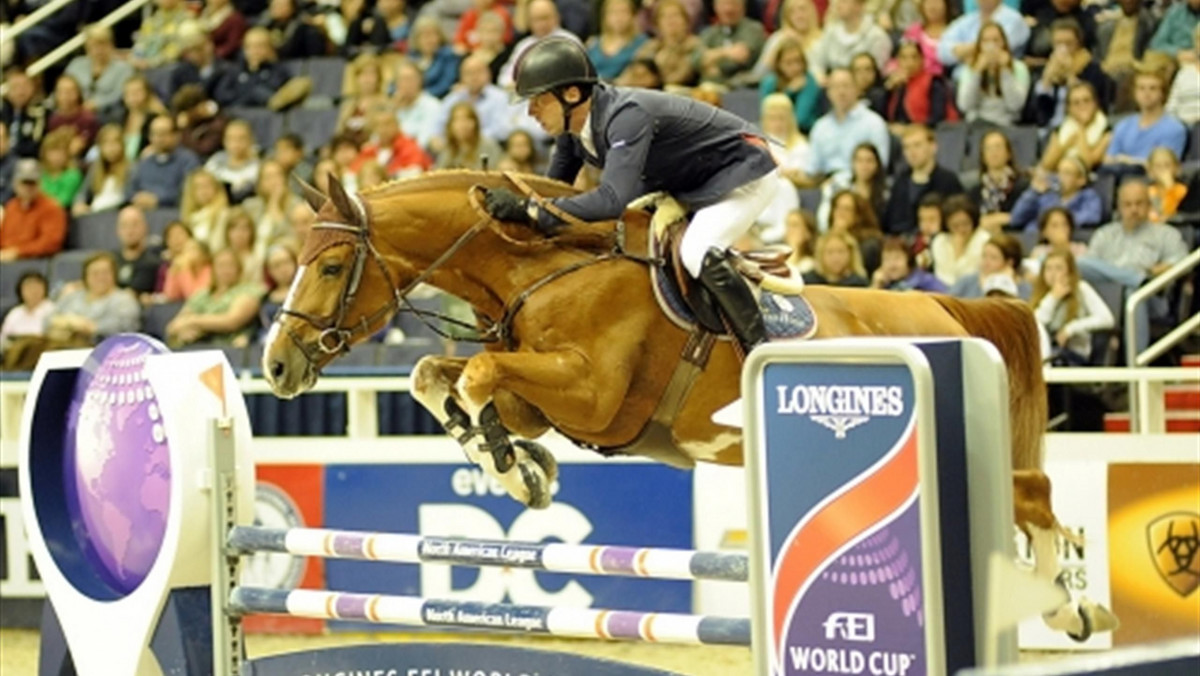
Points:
x=645, y=562
x=567, y=622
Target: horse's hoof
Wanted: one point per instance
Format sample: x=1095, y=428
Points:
x=537, y=486
x=541, y=456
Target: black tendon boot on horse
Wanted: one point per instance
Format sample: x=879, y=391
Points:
x=735, y=299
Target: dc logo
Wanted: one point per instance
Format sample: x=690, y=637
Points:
x=858, y=627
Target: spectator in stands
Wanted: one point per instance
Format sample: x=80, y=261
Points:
x=1001, y=181
x=867, y=80
x=1071, y=192
x=291, y=36
x=848, y=123
x=224, y=312
x=927, y=33
x=190, y=272
x=956, y=252
x=8, y=163
x=917, y=96
x=921, y=176
x=929, y=226
x=198, y=63
x=417, y=110
x=490, y=30
x=1121, y=44
x=362, y=94
x=98, y=310
x=303, y=218
x=258, y=77
x=136, y=110
x=790, y=76
x=199, y=119
x=867, y=177
x=1166, y=191
x=281, y=269
x=520, y=154
x=205, y=208
x=327, y=168
x=391, y=26
x=800, y=235
x=1069, y=308
x=289, y=154
x=175, y=239
x=838, y=261
x=1052, y=17
x=399, y=155
x=674, y=49
x=732, y=44
x=961, y=42
x=778, y=121
x=544, y=22
x=849, y=212
x=1001, y=256
x=642, y=73
x=240, y=238
x=1084, y=133
x=1184, y=101
x=799, y=24
x=992, y=85
x=70, y=113
x=491, y=103
x=853, y=33
x=22, y=114
x=30, y=317
x=157, y=42
x=1055, y=230
x=1174, y=36
x=236, y=165
x=465, y=39
x=694, y=13
x=350, y=18
x=60, y=176
x=98, y=71
x=437, y=61
x=898, y=270
x=269, y=207
x=137, y=262
x=371, y=174
x=613, y=49
x=225, y=25
x=1135, y=136
x=466, y=145
x=34, y=225
x=1068, y=64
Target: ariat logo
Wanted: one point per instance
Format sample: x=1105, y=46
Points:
x=1174, y=540
x=841, y=408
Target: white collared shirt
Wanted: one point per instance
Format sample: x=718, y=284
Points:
x=585, y=136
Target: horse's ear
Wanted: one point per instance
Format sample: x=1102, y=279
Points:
x=315, y=198
x=341, y=200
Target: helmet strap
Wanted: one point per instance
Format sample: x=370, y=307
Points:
x=567, y=107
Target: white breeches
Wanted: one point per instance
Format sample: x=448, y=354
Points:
x=721, y=224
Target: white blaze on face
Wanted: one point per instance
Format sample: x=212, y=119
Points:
x=273, y=333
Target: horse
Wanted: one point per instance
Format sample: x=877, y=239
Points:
x=580, y=345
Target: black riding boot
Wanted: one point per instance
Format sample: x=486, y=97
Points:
x=734, y=298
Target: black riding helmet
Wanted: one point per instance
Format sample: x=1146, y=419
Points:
x=552, y=65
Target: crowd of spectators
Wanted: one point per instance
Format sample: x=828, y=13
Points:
x=858, y=95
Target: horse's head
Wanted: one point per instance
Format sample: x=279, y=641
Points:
x=343, y=293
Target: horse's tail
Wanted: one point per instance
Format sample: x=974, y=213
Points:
x=1010, y=326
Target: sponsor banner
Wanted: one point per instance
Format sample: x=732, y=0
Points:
x=1078, y=501
x=286, y=496
x=1154, y=532
x=615, y=503
x=844, y=537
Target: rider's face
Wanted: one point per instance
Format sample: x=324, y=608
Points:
x=547, y=110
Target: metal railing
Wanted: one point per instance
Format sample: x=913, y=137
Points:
x=1140, y=297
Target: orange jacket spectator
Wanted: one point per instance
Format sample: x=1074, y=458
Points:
x=34, y=224
x=399, y=154
x=465, y=37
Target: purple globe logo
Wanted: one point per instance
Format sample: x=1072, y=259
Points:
x=117, y=462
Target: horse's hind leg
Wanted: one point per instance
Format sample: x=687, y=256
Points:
x=485, y=440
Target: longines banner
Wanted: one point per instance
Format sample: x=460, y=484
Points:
x=1154, y=550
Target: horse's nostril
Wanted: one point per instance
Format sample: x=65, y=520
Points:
x=276, y=369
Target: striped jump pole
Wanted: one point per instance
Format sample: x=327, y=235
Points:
x=555, y=621
x=647, y=562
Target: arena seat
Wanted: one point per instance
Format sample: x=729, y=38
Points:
x=97, y=230
x=159, y=219
x=156, y=317
x=1025, y=144
x=314, y=125
x=951, y=145
x=266, y=125
x=1104, y=185
x=744, y=103
x=68, y=267
x=11, y=271
x=810, y=199
x=327, y=74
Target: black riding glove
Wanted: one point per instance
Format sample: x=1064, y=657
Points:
x=505, y=205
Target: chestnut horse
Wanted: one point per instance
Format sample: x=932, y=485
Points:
x=583, y=347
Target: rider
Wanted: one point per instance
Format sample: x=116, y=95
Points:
x=715, y=163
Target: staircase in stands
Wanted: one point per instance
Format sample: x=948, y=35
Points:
x=1182, y=405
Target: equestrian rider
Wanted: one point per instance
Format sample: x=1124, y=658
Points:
x=718, y=165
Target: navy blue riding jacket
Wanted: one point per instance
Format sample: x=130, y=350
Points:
x=647, y=141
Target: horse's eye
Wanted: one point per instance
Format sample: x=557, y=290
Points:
x=332, y=269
